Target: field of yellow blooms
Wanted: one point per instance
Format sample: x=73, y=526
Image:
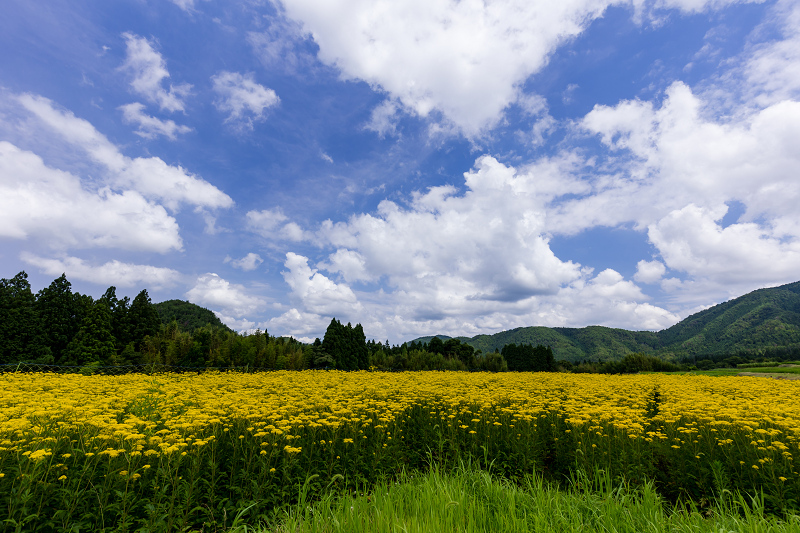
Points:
x=177, y=451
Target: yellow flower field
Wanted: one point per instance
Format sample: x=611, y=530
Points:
x=197, y=446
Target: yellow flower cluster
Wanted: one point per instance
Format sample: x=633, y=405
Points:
x=131, y=415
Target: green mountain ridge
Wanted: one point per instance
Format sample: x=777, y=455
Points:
x=760, y=320
x=188, y=315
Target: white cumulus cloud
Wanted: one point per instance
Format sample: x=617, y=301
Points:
x=224, y=297
x=649, y=271
x=113, y=272
x=318, y=293
x=52, y=206
x=246, y=263
x=301, y=325
x=150, y=176
x=274, y=225
x=463, y=59
x=673, y=169
x=241, y=97
x=691, y=240
x=463, y=263
x=151, y=127
x=453, y=251
x=148, y=70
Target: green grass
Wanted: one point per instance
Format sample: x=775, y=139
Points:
x=771, y=369
x=469, y=500
x=758, y=369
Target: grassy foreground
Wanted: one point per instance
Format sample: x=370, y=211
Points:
x=470, y=500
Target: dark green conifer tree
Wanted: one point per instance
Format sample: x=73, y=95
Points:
x=346, y=345
x=58, y=319
x=21, y=337
x=142, y=319
x=94, y=342
x=334, y=343
x=348, y=355
x=359, y=341
x=120, y=326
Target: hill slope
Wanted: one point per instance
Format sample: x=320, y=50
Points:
x=757, y=320
x=761, y=319
x=188, y=315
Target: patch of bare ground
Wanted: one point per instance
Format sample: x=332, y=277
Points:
x=773, y=375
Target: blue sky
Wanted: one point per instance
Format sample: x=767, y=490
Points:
x=419, y=167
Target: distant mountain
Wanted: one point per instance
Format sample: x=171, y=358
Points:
x=188, y=315
x=428, y=339
x=761, y=319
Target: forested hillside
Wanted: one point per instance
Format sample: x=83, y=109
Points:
x=189, y=316
x=766, y=320
x=762, y=319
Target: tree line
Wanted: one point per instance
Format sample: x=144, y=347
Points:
x=57, y=326
x=61, y=327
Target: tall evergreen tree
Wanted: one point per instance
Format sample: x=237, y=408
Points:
x=56, y=307
x=319, y=357
x=120, y=324
x=333, y=343
x=94, y=341
x=359, y=341
x=142, y=318
x=21, y=338
x=348, y=355
x=346, y=345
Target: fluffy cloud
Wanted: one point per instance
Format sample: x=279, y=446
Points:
x=151, y=177
x=111, y=273
x=272, y=224
x=771, y=69
x=246, y=263
x=679, y=157
x=224, y=297
x=316, y=292
x=351, y=265
x=464, y=59
x=151, y=127
x=607, y=299
x=457, y=250
x=684, y=166
x=461, y=263
x=51, y=205
x=300, y=325
x=691, y=240
x=149, y=70
x=242, y=97
x=649, y=271
x=240, y=324
x=383, y=119
x=265, y=222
